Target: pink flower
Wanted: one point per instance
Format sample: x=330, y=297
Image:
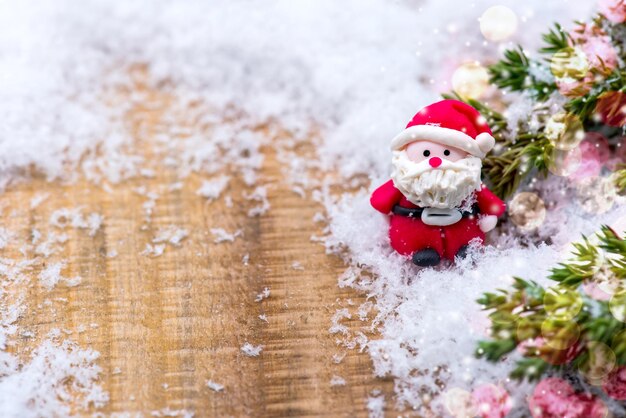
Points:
x=573, y=87
x=595, y=292
x=611, y=108
x=537, y=347
x=619, y=157
x=615, y=384
x=491, y=401
x=597, y=46
x=595, y=143
x=555, y=398
x=614, y=10
x=590, y=166
x=595, y=152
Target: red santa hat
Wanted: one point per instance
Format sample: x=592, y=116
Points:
x=449, y=122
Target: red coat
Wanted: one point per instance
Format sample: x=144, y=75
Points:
x=410, y=234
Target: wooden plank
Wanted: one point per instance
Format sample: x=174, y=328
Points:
x=165, y=325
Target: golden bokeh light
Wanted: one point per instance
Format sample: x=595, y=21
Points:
x=459, y=403
x=599, y=362
x=527, y=211
x=562, y=304
x=470, y=80
x=565, y=131
x=558, y=334
x=569, y=64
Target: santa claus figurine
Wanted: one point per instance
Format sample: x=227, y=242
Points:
x=435, y=198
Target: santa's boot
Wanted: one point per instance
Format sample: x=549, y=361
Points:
x=426, y=258
x=462, y=252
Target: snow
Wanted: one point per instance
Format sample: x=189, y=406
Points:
x=251, y=350
x=221, y=235
x=376, y=405
x=6, y=237
x=38, y=199
x=214, y=386
x=337, y=381
x=212, y=189
x=38, y=387
x=153, y=250
x=259, y=194
x=74, y=217
x=171, y=234
x=337, y=327
x=51, y=276
x=265, y=293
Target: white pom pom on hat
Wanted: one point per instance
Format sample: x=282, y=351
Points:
x=452, y=123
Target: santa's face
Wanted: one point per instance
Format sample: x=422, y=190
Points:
x=419, y=151
x=434, y=175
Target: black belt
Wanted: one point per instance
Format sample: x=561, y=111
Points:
x=417, y=212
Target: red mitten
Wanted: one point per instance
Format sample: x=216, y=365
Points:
x=385, y=197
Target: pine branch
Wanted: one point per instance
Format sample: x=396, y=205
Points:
x=556, y=40
x=519, y=315
x=514, y=73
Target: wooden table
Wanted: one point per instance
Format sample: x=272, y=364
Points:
x=165, y=325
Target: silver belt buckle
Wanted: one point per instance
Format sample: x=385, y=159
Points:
x=440, y=217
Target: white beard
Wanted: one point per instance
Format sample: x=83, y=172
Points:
x=445, y=187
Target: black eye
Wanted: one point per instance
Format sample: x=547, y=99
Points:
x=426, y=153
x=446, y=152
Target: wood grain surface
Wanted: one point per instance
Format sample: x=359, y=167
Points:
x=166, y=324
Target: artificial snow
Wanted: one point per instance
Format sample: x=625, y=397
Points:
x=376, y=405
x=259, y=194
x=337, y=381
x=74, y=217
x=337, y=327
x=54, y=373
x=251, y=350
x=153, y=250
x=265, y=293
x=51, y=276
x=214, y=386
x=170, y=234
x=212, y=189
x=221, y=235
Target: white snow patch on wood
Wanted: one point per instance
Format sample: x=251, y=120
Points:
x=153, y=250
x=214, y=386
x=259, y=194
x=51, y=276
x=212, y=189
x=265, y=293
x=337, y=327
x=337, y=381
x=171, y=234
x=251, y=350
x=57, y=379
x=38, y=199
x=221, y=235
x=376, y=405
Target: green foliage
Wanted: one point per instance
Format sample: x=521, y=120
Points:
x=514, y=73
x=529, y=152
x=555, y=40
x=528, y=311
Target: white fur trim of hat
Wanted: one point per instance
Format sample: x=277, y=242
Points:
x=478, y=147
